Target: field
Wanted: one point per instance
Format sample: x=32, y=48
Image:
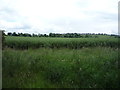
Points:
x=72, y=43
x=33, y=62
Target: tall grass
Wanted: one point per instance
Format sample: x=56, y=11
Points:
x=72, y=43
x=68, y=68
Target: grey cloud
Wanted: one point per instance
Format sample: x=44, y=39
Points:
x=103, y=16
x=21, y=26
x=60, y=24
x=108, y=16
x=94, y=24
x=11, y=17
x=8, y=14
x=24, y=26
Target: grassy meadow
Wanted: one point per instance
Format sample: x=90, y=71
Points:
x=44, y=62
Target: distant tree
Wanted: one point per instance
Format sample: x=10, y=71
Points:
x=9, y=34
x=113, y=35
x=34, y=35
x=52, y=35
x=39, y=35
x=76, y=35
x=21, y=34
x=45, y=35
x=105, y=34
x=27, y=35
x=98, y=33
x=18, y=34
x=14, y=34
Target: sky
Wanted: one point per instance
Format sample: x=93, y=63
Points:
x=59, y=16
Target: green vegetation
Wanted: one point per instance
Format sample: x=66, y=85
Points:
x=72, y=43
x=39, y=62
x=65, y=35
x=47, y=68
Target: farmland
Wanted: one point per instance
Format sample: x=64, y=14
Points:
x=72, y=43
x=46, y=62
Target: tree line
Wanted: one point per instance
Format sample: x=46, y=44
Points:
x=65, y=35
x=70, y=35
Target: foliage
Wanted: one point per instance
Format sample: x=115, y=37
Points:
x=72, y=43
x=50, y=68
x=64, y=35
x=48, y=62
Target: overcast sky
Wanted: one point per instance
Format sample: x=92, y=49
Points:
x=59, y=16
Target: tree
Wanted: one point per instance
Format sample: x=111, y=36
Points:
x=9, y=34
x=34, y=35
x=52, y=34
x=14, y=34
x=45, y=35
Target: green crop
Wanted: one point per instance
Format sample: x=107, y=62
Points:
x=72, y=43
x=44, y=62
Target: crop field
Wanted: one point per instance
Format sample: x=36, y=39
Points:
x=44, y=62
x=72, y=43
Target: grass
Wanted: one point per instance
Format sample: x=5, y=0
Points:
x=33, y=62
x=93, y=67
x=72, y=43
